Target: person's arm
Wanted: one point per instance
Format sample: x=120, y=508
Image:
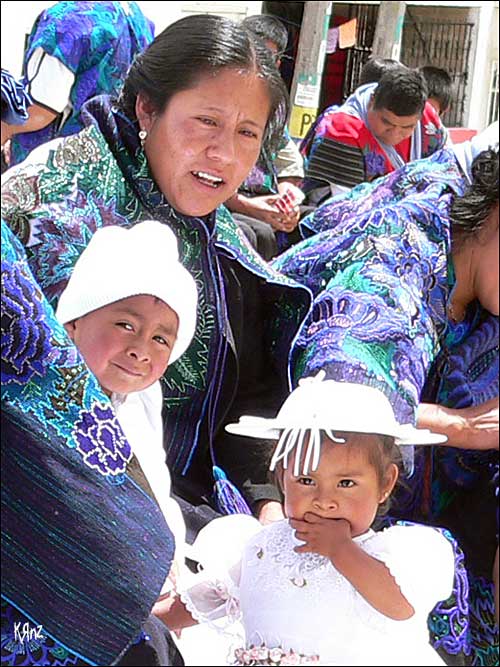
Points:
x=369, y=576
x=173, y=612
x=39, y=117
x=475, y=427
x=262, y=208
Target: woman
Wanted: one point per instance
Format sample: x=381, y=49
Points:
x=196, y=108
x=404, y=273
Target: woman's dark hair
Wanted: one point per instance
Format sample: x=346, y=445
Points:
x=197, y=46
x=469, y=212
x=269, y=28
x=401, y=91
x=372, y=70
x=380, y=456
x=439, y=85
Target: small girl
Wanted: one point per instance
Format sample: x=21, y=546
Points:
x=322, y=587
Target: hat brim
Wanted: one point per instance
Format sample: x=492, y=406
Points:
x=271, y=429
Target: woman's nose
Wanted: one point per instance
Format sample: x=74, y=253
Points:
x=222, y=147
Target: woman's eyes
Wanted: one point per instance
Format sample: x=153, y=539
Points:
x=207, y=121
x=210, y=122
x=249, y=133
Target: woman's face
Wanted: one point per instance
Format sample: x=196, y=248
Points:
x=204, y=144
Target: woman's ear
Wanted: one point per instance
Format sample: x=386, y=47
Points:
x=145, y=112
x=390, y=480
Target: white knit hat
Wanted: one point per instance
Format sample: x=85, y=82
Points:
x=120, y=262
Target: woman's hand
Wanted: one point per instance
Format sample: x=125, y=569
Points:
x=321, y=536
x=475, y=427
x=264, y=209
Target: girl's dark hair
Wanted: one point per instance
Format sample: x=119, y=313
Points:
x=194, y=47
x=380, y=457
x=469, y=212
x=402, y=91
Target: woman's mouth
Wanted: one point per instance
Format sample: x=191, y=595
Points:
x=207, y=179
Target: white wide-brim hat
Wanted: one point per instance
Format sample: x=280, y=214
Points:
x=121, y=262
x=335, y=407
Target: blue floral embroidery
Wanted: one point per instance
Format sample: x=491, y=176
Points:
x=101, y=441
x=25, y=336
x=374, y=164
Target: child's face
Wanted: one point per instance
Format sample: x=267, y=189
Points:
x=345, y=485
x=128, y=343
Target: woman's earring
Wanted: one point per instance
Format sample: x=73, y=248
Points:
x=142, y=137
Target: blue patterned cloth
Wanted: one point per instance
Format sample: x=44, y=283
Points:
x=97, y=42
x=377, y=260
x=378, y=267
x=85, y=551
x=15, y=100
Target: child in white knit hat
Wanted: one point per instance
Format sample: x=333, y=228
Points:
x=130, y=308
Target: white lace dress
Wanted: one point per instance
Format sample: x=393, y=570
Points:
x=298, y=609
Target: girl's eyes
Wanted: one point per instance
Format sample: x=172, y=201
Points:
x=306, y=481
x=346, y=483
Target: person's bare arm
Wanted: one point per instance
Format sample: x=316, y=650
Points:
x=475, y=427
x=39, y=117
x=369, y=576
x=263, y=208
x=173, y=612
x=372, y=579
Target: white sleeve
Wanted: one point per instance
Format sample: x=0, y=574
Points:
x=420, y=559
x=213, y=596
x=214, y=592
x=50, y=81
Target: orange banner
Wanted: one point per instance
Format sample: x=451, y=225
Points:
x=347, y=34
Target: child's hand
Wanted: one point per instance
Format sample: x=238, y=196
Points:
x=321, y=536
